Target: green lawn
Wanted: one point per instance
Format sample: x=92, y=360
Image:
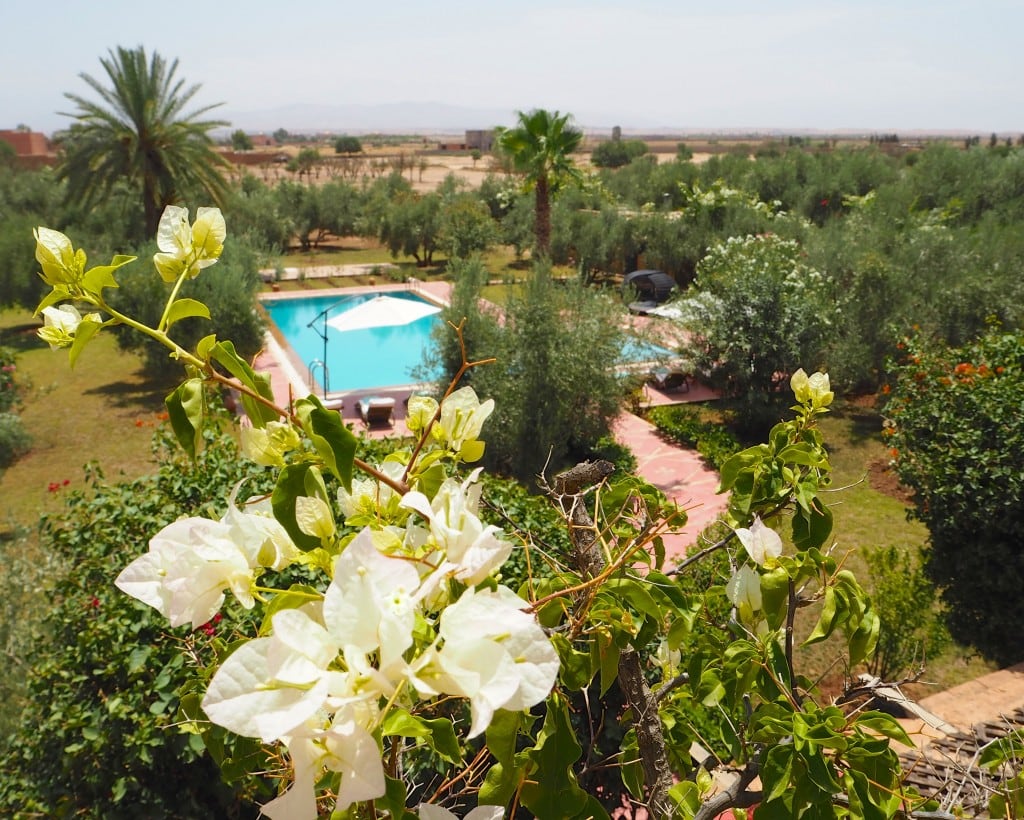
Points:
x=103, y=410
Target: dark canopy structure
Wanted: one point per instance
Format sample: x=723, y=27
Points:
x=648, y=285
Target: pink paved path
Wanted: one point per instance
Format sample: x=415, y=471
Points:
x=678, y=472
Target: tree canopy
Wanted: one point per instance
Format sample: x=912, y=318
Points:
x=140, y=130
x=540, y=146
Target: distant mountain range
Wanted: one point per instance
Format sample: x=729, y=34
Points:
x=432, y=118
x=405, y=117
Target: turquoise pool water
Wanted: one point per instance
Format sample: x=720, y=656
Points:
x=356, y=359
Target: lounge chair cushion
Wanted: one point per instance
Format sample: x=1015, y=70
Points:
x=373, y=409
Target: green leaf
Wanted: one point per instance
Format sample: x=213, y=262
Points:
x=686, y=797
x=503, y=778
x=576, y=669
x=224, y=354
x=811, y=529
x=102, y=276
x=735, y=465
x=444, y=741
x=827, y=619
x=777, y=771
x=864, y=638
x=291, y=483
x=85, y=331
x=884, y=724
x=335, y=443
x=775, y=596
x=184, y=309
x=185, y=407
x=297, y=595
x=559, y=795
x=394, y=799
x=631, y=768
x=205, y=346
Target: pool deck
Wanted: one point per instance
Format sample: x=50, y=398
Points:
x=677, y=471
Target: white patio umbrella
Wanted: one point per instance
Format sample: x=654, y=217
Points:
x=381, y=311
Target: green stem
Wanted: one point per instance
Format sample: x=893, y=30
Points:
x=162, y=325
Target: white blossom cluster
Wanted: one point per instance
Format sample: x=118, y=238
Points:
x=411, y=611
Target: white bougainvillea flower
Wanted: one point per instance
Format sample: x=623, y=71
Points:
x=371, y=500
x=188, y=248
x=268, y=445
x=744, y=591
x=814, y=388
x=189, y=565
x=61, y=263
x=761, y=542
x=270, y=686
x=260, y=536
x=371, y=602
x=472, y=550
x=462, y=418
x=314, y=517
x=428, y=812
x=420, y=412
x=494, y=653
x=61, y=323
x=347, y=747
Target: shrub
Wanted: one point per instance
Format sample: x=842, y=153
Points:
x=957, y=439
x=756, y=312
x=14, y=440
x=911, y=624
x=8, y=382
x=97, y=737
x=685, y=426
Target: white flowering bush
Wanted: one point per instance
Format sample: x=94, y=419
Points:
x=407, y=654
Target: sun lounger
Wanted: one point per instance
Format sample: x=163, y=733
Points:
x=667, y=379
x=373, y=410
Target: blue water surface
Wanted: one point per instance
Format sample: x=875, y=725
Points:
x=356, y=359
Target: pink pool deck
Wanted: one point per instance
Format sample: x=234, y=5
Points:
x=677, y=471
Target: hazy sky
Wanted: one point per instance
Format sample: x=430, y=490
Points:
x=828, y=64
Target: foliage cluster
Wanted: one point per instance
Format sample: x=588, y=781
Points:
x=685, y=425
x=96, y=735
x=14, y=439
x=911, y=628
x=556, y=348
x=957, y=438
x=616, y=153
x=755, y=313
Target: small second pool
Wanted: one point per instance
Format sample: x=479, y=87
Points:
x=356, y=359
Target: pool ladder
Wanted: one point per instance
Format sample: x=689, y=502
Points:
x=313, y=367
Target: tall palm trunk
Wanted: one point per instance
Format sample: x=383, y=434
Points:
x=542, y=217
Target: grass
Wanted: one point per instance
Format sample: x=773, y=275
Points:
x=870, y=512
x=103, y=410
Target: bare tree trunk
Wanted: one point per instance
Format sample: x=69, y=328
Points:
x=588, y=561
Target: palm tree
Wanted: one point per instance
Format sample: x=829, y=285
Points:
x=540, y=147
x=140, y=131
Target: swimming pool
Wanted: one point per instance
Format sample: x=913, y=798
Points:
x=356, y=359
